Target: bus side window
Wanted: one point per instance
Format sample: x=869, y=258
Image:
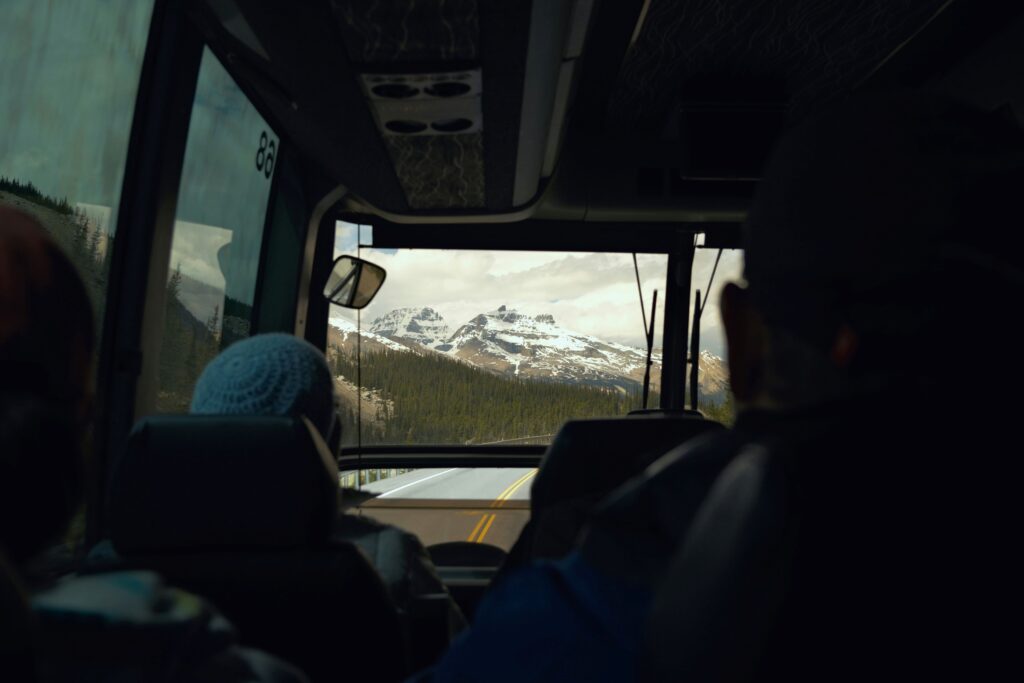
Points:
x=230, y=157
x=65, y=133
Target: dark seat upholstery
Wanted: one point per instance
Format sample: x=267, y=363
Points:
x=238, y=509
x=710, y=617
x=843, y=546
x=16, y=628
x=585, y=462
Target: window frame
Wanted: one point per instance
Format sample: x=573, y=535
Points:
x=674, y=240
x=127, y=371
x=153, y=165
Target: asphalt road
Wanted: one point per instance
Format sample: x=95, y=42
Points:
x=480, y=505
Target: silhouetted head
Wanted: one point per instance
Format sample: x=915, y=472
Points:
x=879, y=240
x=269, y=374
x=46, y=346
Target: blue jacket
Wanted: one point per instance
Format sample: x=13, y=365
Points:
x=582, y=618
x=551, y=621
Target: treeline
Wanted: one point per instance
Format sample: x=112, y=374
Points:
x=31, y=192
x=88, y=246
x=434, y=399
x=188, y=343
x=723, y=411
x=186, y=346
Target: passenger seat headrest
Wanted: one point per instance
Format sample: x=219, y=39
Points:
x=592, y=456
x=191, y=482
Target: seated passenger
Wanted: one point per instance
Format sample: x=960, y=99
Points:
x=869, y=533
x=862, y=250
x=120, y=626
x=280, y=374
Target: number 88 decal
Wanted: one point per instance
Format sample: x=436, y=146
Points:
x=265, y=155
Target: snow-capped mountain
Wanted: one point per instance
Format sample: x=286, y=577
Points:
x=422, y=326
x=342, y=334
x=713, y=378
x=507, y=342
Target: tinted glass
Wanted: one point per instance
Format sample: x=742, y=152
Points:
x=370, y=279
x=218, y=233
x=714, y=397
x=339, y=285
x=69, y=73
x=481, y=347
x=474, y=504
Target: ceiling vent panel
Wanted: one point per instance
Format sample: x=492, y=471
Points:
x=446, y=103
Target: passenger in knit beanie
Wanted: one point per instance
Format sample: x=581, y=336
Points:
x=268, y=374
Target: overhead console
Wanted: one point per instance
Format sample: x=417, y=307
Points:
x=416, y=108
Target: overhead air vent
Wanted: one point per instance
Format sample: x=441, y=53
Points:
x=418, y=104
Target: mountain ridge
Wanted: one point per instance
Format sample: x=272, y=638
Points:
x=506, y=342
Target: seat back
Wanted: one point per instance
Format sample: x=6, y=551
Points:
x=724, y=584
x=16, y=628
x=585, y=462
x=238, y=509
x=845, y=545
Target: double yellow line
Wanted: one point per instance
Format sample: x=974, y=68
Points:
x=484, y=525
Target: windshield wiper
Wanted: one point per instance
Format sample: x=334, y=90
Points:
x=648, y=330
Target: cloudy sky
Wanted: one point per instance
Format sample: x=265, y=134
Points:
x=586, y=292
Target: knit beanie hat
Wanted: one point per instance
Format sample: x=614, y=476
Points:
x=268, y=374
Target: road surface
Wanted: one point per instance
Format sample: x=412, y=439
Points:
x=476, y=504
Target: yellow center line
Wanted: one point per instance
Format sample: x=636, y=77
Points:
x=477, y=528
x=483, y=532
x=513, y=487
x=498, y=502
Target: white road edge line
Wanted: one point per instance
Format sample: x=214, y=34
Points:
x=418, y=481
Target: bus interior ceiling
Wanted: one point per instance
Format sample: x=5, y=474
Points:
x=644, y=111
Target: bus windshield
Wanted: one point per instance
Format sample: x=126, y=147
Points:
x=492, y=347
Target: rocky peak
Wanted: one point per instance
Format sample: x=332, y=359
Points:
x=424, y=326
x=428, y=314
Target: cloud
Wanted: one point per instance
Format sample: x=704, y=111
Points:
x=195, y=249
x=588, y=293
x=591, y=293
x=730, y=269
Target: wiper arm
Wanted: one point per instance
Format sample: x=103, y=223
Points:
x=648, y=331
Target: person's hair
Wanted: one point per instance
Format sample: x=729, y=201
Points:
x=797, y=374
x=46, y=344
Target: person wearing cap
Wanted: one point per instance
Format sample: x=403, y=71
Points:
x=46, y=396
x=881, y=226
x=280, y=374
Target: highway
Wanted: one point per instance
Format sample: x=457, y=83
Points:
x=476, y=504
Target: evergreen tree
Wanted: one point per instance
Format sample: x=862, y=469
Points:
x=434, y=399
x=213, y=324
x=93, y=250
x=174, y=286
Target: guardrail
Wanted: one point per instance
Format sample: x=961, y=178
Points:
x=542, y=440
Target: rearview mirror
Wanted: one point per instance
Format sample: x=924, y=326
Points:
x=353, y=282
